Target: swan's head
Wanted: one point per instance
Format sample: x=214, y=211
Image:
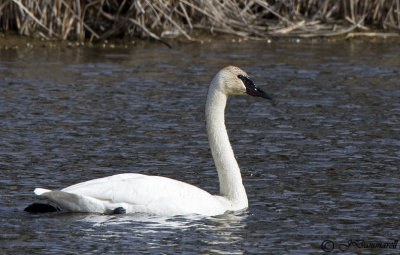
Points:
x=235, y=81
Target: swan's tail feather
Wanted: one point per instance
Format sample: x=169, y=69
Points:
x=40, y=191
x=72, y=202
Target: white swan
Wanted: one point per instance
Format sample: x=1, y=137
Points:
x=131, y=193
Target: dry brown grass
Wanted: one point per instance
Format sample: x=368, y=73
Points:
x=101, y=19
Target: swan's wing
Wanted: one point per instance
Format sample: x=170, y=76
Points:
x=103, y=187
x=142, y=193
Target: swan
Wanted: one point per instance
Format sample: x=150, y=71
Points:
x=138, y=193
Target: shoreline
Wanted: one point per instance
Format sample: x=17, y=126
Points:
x=15, y=41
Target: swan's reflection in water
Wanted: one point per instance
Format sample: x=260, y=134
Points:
x=217, y=234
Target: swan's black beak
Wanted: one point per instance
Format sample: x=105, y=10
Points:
x=251, y=88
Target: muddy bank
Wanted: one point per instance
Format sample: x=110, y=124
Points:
x=15, y=41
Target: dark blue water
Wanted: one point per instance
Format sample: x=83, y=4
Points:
x=321, y=163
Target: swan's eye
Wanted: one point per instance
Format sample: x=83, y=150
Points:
x=241, y=77
x=247, y=81
x=251, y=88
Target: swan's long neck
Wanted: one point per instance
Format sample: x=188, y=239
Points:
x=231, y=185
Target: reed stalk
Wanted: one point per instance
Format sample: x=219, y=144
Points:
x=159, y=19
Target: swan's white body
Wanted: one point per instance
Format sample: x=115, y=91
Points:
x=165, y=196
x=136, y=193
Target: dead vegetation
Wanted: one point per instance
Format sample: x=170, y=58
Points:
x=94, y=20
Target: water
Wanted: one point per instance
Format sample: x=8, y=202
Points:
x=321, y=163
